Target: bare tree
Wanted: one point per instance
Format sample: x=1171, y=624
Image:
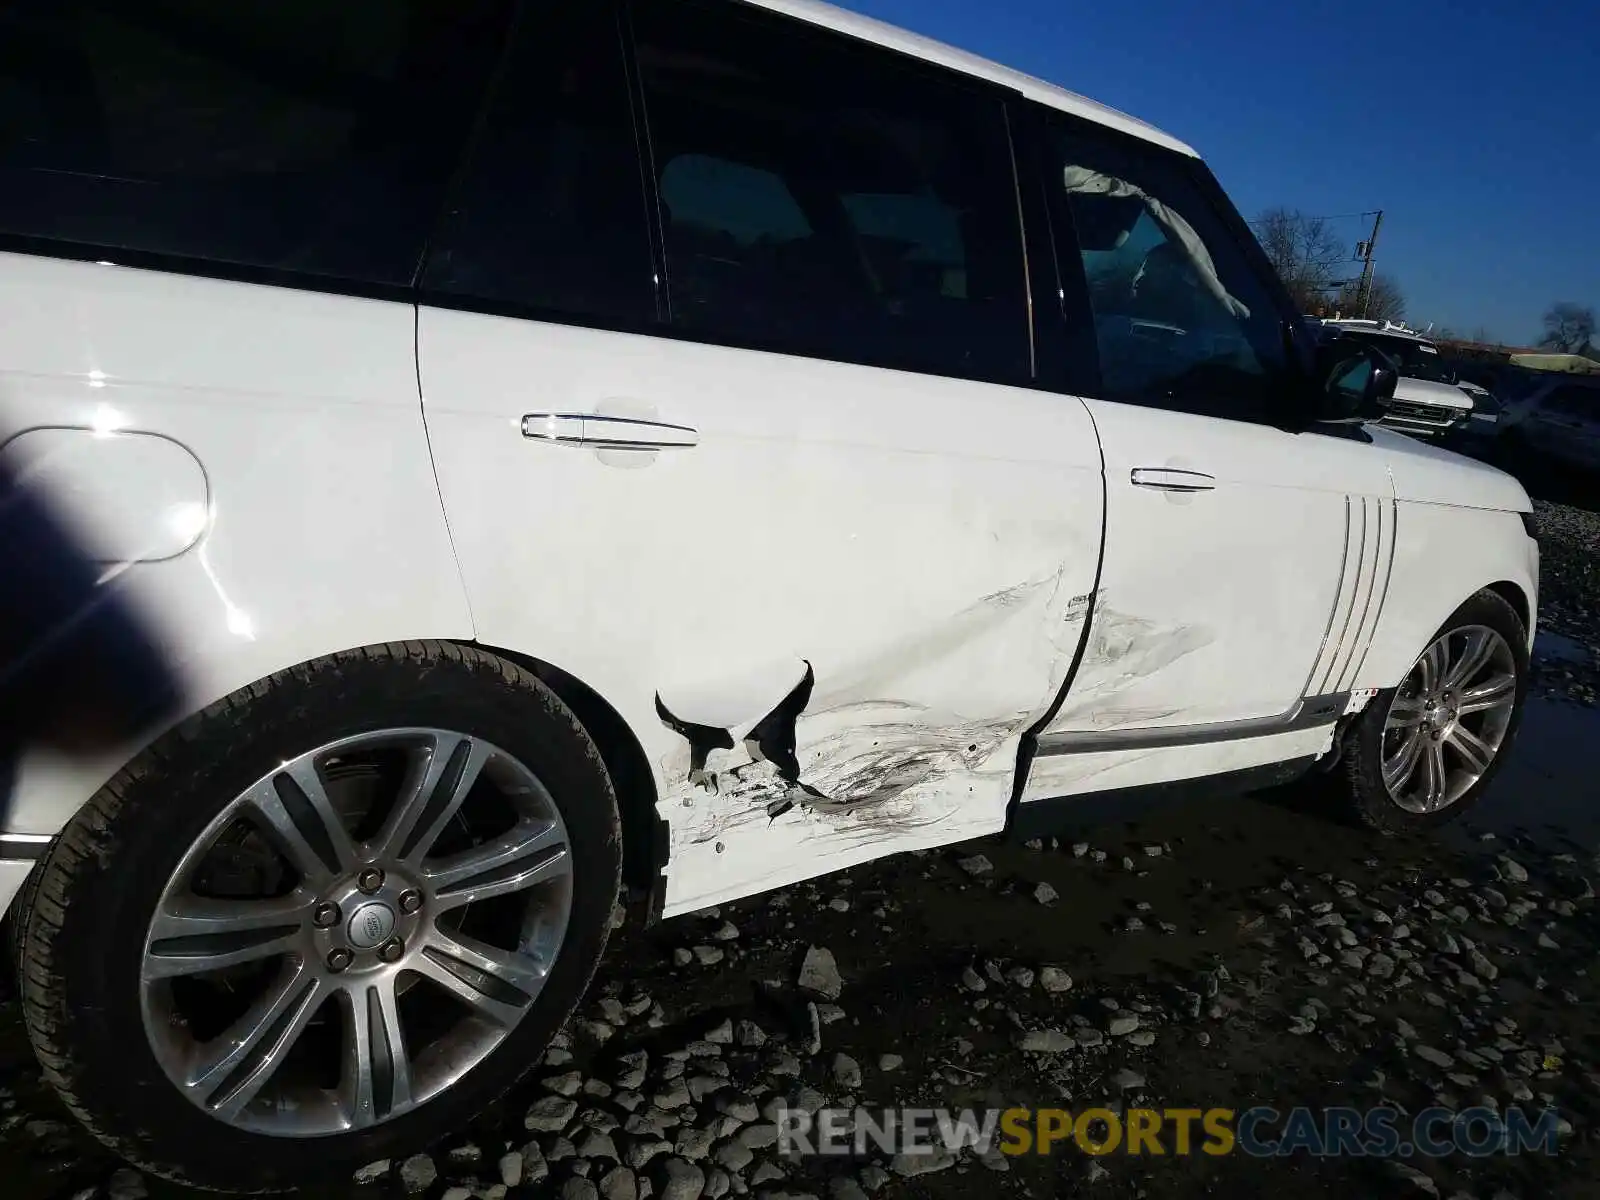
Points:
x=1385, y=300
x=1568, y=328
x=1305, y=251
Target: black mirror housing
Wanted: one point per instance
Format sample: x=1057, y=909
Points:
x=1352, y=383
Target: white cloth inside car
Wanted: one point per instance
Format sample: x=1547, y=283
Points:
x=1084, y=182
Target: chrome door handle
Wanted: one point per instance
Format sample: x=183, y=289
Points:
x=608, y=433
x=1172, y=479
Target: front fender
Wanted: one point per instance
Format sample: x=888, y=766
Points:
x=1443, y=555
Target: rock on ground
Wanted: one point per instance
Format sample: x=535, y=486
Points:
x=819, y=974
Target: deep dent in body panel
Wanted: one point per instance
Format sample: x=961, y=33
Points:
x=838, y=753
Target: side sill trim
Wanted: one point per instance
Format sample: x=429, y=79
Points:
x=1053, y=815
x=1306, y=714
x=24, y=846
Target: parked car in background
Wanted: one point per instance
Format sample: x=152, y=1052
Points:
x=1559, y=418
x=661, y=450
x=1483, y=427
x=1428, y=401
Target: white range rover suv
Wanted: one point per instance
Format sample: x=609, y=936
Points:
x=672, y=446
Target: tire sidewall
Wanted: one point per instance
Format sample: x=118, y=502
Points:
x=173, y=792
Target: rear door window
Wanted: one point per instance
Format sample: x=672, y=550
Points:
x=550, y=216
x=826, y=198
x=293, y=135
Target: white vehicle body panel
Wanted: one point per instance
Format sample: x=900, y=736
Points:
x=321, y=528
x=923, y=563
x=1430, y=474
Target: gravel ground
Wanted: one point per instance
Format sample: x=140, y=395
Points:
x=1247, y=952
x=1569, y=604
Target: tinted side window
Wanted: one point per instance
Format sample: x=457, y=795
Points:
x=1181, y=317
x=551, y=213
x=288, y=134
x=824, y=198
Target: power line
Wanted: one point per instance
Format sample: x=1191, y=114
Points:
x=1329, y=217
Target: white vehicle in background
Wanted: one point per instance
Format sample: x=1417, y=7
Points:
x=1428, y=400
x=1483, y=428
x=1485, y=408
x=769, y=442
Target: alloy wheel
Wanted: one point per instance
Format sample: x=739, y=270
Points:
x=1449, y=718
x=356, y=932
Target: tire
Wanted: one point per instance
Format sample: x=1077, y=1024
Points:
x=84, y=998
x=1368, y=797
x=17, y=919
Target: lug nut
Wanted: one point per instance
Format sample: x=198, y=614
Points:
x=392, y=950
x=370, y=880
x=325, y=916
x=410, y=901
x=339, y=959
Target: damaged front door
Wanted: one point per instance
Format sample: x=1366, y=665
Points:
x=830, y=569
x=1246, y=556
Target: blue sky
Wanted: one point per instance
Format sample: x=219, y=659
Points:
x=1474, y=125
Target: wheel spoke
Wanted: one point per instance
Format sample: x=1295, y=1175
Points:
x=1405, y=712
x=376, y=1080
x=533, y=853
x=190, y=935
x=1474, y=751
x=498, y=984
x=1435, y=778
x=1402, y=764
x=231, y=1069
x=446, y=772
x=1474, y=657
x=300, y=818
x=1498, y=691
x=1432, y=664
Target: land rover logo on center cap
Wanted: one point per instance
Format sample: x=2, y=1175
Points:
x=370, y=926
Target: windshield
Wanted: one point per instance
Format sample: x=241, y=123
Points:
x=1416, y=359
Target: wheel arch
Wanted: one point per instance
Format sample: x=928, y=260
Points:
x=645, y=836
x=1514, y=595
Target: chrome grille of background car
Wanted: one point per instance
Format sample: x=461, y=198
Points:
x=1421, y=412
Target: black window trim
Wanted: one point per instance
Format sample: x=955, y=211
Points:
x=644, y=157
x=468, y=149
x=1018, y=190
x=1067, y=359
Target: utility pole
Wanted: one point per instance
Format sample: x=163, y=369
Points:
x=1365, y=251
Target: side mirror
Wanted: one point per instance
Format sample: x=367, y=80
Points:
x=1353, y=382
